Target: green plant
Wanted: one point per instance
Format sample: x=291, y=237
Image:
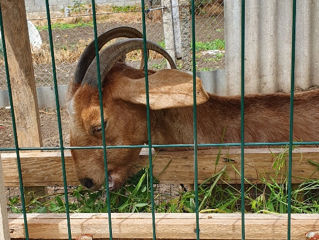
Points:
x=203, y=69
x=216, y=58
x=133, y=197
x=64, y=26
x=161, y=43
x=217, y=44
x=215, y=195
x=159, y=65
x=125, y=9
x=77, y=6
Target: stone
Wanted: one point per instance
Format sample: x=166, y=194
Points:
x=34, y=36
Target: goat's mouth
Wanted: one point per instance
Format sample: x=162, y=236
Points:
x=111, y=182
x=91, y=185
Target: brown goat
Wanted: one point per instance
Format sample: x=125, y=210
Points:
x=171, y=100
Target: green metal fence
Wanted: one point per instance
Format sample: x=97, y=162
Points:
x=195, y=144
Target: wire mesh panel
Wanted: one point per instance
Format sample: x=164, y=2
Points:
x=72, y=32
x=55, y=64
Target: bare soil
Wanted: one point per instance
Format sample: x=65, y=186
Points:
x=48, y=125
x=69, y=44
x=205, y=31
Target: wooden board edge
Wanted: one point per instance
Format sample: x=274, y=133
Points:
x=4, y=225
x=173, y=167
x=168, y=226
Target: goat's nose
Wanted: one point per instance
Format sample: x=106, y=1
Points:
x=87, y=182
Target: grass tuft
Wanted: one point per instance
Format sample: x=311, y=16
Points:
x=125, y=9
x=63, y=26
x=217, y=44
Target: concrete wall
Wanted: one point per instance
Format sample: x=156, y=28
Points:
x=34, y=6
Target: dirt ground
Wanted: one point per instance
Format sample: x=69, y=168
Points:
x=67, y=41
x=48, y=124
x=205, y=31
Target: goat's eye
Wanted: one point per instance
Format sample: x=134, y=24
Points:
x=97, y=129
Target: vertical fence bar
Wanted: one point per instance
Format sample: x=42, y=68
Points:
x=149, y=137
x=195, y=121
x=97, y=57
x=59, y=120
x=14, y=127
x=242, y=122
x=291, y=120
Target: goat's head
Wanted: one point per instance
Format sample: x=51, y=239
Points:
x=124, y=109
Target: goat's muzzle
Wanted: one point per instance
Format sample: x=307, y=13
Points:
x=87, y=182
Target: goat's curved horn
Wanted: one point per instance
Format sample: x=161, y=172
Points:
x=89, y=52
x=114, y=52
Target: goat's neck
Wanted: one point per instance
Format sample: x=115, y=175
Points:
x=172, y=126
x=266, y=120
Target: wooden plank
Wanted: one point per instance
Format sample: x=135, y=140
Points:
x=44, y=168
x=22, y=78
x=21, y=73
x=169, y=226
x=4, y=226
x=38, y=169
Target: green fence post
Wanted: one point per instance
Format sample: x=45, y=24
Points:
x=149, y=137
x=242, y=122
x=102, y=120
x=291, y=121
x=59, y=120
x=195, y=120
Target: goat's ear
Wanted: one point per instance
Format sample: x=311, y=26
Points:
x=167, y=89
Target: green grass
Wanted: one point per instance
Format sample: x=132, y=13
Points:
x=217, y=44
x=160, y=65
x=203, y=69
x=268, y=197
x=77, y=6
x=133, y=197
x=161, y=43
x=63, y=26
x=125, y=9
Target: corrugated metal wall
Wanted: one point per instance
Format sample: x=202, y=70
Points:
x=268, y=45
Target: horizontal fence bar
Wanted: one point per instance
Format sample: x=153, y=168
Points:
x=202, y=145
x=168, y=226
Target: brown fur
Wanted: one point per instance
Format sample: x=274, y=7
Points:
x=266, y=120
